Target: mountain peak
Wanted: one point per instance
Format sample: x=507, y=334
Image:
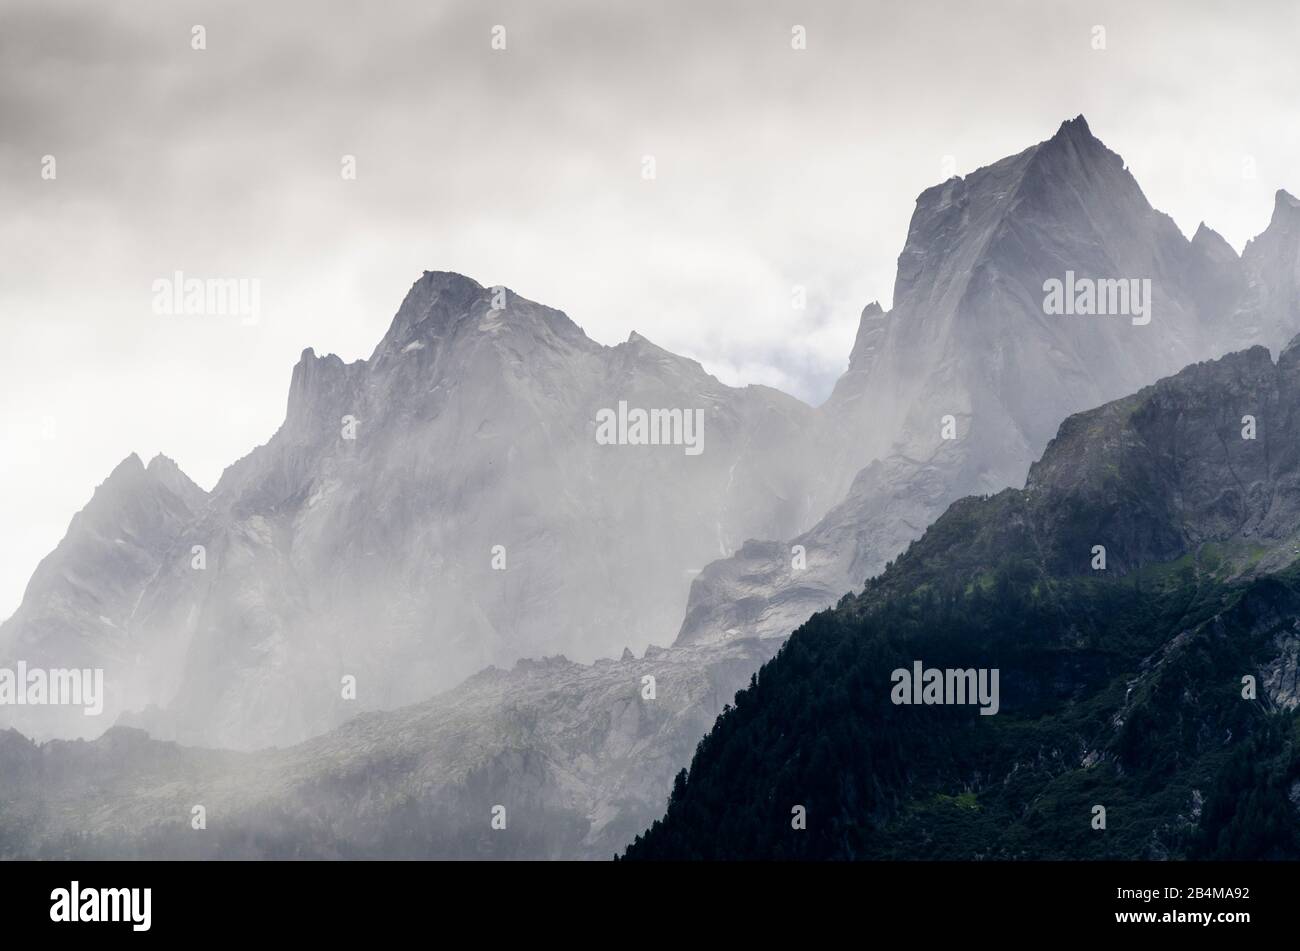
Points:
x=133, y=461
x=161, y=470
x=872, y=330
x=640, y=351
x=1283, y=227
x=1076, y=128
x=1284, y=203
x=165, y=472
x=1074, y=135
x=131, y=485
x=432, y=306
x=1212, y=244
x=443, y=306
x=132, y=465
x=642, y=345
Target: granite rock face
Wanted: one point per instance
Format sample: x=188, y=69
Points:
x=968, y=341
x=83, y=605
x=474, y=426
x=441, y=506
x=582, y=756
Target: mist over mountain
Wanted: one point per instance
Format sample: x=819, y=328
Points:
x=968, y=338
x=1119, y=686
x=475, y=427
x=1159, y=683
x=574, y=753
x=79, y=604
x=441, y=506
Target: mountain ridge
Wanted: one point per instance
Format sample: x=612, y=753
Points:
x=383, y=500
x=1121, y=680
x=301, y=533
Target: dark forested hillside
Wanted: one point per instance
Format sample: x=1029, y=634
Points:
x=1160, y=688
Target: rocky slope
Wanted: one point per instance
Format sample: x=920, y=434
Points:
x=439, y=507
x=574, y=753
x=85, y=600
x=968, y=339
x=1199, y=527
x=372, y=556
x=1122, y=686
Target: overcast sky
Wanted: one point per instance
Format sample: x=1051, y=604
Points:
x=523, y=167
